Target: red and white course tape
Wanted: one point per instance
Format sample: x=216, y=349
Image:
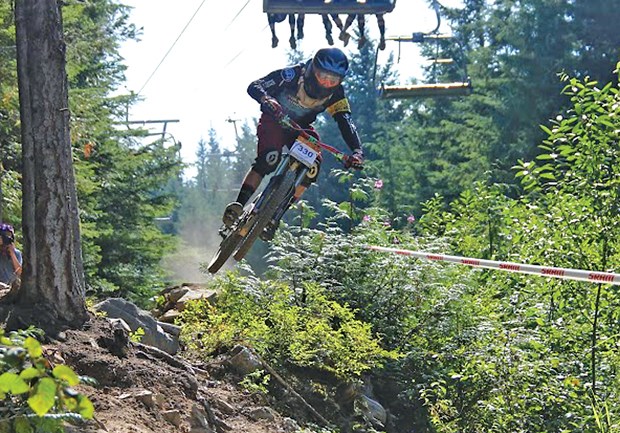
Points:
x=563, y=273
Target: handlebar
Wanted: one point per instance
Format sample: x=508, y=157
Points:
x=289, y=123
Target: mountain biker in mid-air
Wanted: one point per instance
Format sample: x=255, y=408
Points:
x=300, y=92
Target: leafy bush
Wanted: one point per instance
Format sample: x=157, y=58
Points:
x=302, y=327
x=36, y=396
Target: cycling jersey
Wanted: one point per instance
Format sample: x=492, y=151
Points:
x=286, y=86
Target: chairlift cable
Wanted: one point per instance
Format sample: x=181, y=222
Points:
x=242, y=51
x=238, y=13
x=171, y=47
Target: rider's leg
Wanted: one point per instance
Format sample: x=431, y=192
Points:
x=250, y=184
x=271, y=139
x=311, y=177
x=336, y=19
x=271, y=228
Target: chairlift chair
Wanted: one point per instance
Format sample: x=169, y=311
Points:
x=426, y=90
x=461, y=88
x=369, y=7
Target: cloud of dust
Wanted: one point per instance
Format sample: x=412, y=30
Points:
x=199, y=241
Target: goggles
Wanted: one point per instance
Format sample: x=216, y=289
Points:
x=327, y=79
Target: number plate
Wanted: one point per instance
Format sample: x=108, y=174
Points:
x=304, y=153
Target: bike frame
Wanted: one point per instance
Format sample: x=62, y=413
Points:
x=290, y=163
x=276, y=197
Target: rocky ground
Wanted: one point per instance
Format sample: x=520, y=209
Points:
x=141, y=389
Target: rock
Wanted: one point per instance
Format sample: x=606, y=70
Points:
x=120, y=323
x=223, y=406
x=243, y=360
x=347, y=392
x=371, y=410
x=169, y=316
x=264, y=412
x=170, y=329
x=117, y=343
x=289, y=425
x=173, y=296
x=194, y=295
x=201, y=430
x=117, y=308
x=198, y=417
x=147, y=398
x=222, y=425
x=173, y=417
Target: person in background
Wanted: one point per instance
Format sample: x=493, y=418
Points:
x=328, y=26
x=300, y=92
x=10, y=257
x=361, y=24
x=278, y=18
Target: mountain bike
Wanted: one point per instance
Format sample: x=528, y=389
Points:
x=275, y=198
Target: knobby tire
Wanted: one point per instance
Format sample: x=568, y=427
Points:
x=227, y=247
x=268, y=210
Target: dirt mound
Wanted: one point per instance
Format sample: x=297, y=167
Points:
x=141, y=389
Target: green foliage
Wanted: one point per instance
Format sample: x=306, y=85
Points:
x=121, y=185
x=303, y=328
x=492, y=351
x=137, y=335
x=256, y=382
x=36, y=397
x=537, y=356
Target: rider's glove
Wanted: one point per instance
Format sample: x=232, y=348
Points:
x=355, y=160
x=271, y=106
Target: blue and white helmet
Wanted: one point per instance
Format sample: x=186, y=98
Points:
x=325, y=72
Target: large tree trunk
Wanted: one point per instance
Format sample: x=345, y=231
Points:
x=53, y=275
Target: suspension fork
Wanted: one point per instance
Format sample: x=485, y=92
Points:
x=287, y=163
x=301, y=175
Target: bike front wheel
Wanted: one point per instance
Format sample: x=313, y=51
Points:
x=227, y=247
x=272, y=201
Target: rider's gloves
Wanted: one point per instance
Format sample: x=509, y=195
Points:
x=356, y=160
x=271, y=106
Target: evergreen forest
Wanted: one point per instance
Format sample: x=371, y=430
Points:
x=526, y=169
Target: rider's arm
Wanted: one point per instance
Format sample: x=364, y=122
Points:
x=341, y=112
x=268, y=85
x=16, y=260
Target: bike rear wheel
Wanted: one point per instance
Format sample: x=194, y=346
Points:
x=227, y=247
x=276, y=196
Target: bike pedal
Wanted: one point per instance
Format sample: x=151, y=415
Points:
x=224, y=231
x=269, y=232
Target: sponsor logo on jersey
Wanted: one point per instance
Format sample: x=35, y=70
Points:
x=339, y=107
x=288, y=74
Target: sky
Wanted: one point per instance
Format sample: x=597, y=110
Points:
x=196, y=58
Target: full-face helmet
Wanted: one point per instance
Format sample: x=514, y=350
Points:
x=325, y=72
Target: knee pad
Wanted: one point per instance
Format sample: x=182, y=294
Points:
x=312, y=174
x=267, y=162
